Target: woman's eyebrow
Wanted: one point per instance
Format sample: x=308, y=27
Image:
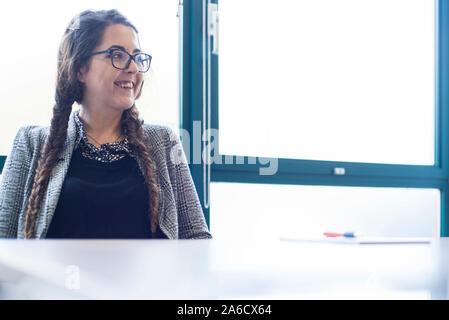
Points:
x=122, y=48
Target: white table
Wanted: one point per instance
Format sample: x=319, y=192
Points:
x=212, y=269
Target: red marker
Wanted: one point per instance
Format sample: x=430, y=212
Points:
x=346, y=234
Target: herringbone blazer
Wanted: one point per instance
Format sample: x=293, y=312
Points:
x=180, y=212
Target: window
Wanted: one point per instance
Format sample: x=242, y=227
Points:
x=272, y=211
x=338, y=97
x=345, y=80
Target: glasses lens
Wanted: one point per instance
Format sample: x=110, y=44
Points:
x=119, y=59
x=143, y=61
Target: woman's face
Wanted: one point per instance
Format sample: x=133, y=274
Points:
x=102, y=81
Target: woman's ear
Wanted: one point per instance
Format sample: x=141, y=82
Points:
x=81, y=74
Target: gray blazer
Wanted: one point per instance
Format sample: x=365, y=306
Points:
x=180, y=210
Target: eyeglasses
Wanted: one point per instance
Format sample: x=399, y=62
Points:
x=121, y=59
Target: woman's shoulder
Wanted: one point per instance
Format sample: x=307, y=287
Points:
x=157, y=129
x=160, y=134
x=31, y=135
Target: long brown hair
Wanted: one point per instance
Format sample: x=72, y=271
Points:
x=83, y=34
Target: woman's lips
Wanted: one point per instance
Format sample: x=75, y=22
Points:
x=123, y=88
x=125, y=83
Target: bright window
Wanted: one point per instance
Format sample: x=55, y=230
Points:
x=345, y=80
x=261, y=211
x=32, y=31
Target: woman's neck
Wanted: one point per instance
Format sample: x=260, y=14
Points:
x=103, y=127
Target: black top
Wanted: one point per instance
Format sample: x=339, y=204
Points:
x=102, y=200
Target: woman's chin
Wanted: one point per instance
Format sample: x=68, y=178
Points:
x=125, y=104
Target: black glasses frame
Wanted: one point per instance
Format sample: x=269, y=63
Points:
x=131, y=57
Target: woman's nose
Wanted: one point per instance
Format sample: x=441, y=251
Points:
x=132, y=67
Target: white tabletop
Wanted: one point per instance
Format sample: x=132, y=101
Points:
x=212, y=269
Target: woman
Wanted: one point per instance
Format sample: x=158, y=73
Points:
x=99, y=172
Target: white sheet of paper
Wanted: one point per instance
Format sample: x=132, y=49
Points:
x=359, y=240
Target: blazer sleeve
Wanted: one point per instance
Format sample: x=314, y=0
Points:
x=12, y=188
x=191, y=222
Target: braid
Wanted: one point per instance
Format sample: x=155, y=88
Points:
x=47, y=160
x=132, y=127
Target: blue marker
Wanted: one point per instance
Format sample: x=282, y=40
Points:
x=346, y=234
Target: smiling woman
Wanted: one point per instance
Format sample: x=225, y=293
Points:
x=98, y=172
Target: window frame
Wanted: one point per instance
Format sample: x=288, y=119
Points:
x=316, y=172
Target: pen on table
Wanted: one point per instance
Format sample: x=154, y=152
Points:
x=345, y=234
